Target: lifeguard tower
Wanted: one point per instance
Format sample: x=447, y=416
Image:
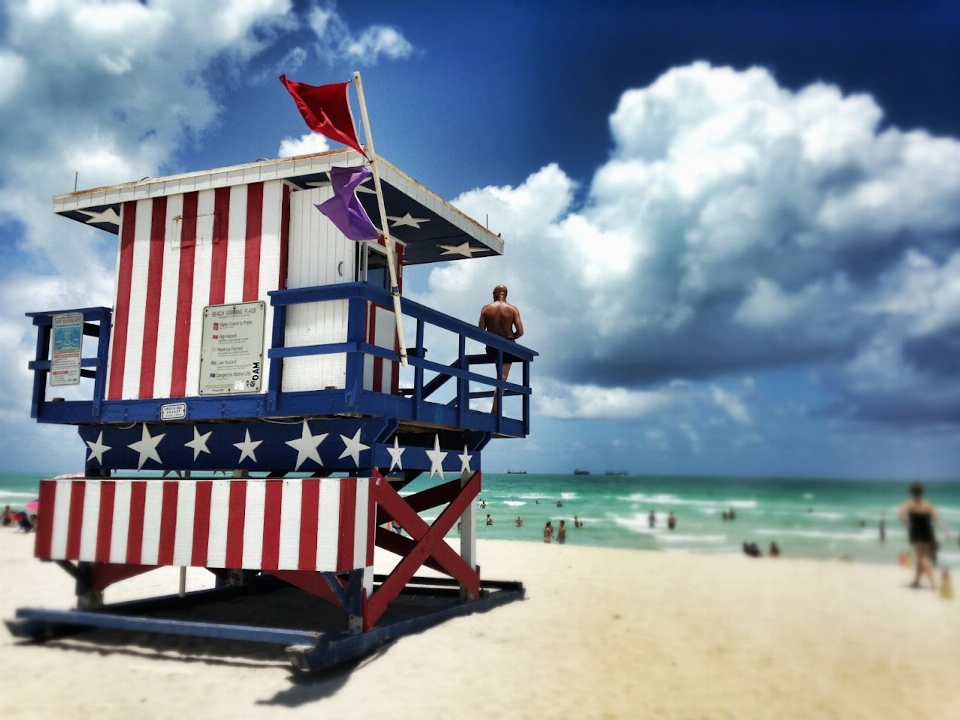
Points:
x=243, y=406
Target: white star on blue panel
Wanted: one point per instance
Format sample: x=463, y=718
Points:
x=395, y=452
x=147, y=447
x=436, y=458
x=465, y=461
x=101, y=216
x=97, y=448
x=248, y=447
x=306, y=446
x=199, y=443
x=407, y=220
x=464, y=250
x=353, y=447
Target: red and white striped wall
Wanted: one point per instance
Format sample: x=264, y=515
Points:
x=324, y=524
x=178, y=254
x=381, y=375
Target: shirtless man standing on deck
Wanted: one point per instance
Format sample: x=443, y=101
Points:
x=503, y=319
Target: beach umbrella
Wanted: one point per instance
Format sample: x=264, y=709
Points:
x=32, y=505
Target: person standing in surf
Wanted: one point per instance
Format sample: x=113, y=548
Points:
x=503, y=319
x=918, y=516
x=547, y=532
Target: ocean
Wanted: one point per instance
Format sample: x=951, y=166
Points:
x=807, y=518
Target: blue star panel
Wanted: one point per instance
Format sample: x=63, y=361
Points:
x=308, y=446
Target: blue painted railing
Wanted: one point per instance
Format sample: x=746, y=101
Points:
x=414, y=404
x=97, y=324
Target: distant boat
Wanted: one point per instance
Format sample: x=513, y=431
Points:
x=581, y=472
x=622, y=473
x=516, y=472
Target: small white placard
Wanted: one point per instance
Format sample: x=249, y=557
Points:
x=173, y=411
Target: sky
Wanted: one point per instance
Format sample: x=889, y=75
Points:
x=732, y=228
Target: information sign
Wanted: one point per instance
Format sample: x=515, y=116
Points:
x=231, y=352
x=67, y=341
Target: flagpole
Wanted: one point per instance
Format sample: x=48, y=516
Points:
x=384, y=223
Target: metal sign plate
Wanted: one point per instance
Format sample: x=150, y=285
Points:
x=231, y=352
x=67, y=341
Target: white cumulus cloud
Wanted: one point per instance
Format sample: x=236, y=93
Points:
x=336, y=41
x=303, y=145
x=99, y=93
x=738, y=227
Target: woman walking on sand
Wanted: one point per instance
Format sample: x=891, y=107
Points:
x=547, y=532
x=918, y=516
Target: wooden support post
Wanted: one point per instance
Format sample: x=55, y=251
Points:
x=468, y=536
x=356, y=596
x=430, y=543
x=89, y=597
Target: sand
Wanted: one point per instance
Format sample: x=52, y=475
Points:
x=601, y=634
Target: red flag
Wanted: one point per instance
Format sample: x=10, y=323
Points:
x=326, y=110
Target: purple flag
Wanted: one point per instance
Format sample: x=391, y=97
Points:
x=344, y=209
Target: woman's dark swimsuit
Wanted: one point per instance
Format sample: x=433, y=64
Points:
x=921, y=527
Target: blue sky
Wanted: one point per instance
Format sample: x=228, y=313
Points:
x=732, y=228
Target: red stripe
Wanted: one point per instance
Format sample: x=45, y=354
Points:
x=348, y=512
x=108, y=491
x=251, y=259
x=372, y=339
x=154, y=280
x=121, y=313
x=284, y=236
x=168, y=522
x=75, y=522
x=181, y=336
x=272, y=502
x=309, y=514
x=221, y=228
x=44, y=538
x=138, y=503
x=201, y=523
x=235, y=522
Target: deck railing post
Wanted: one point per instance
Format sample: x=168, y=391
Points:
x=356, y=333
x=44, y=324
x=278, y=340
x=418, y=372
x=463, y=384
x=105, y=316
x=498, y=396
x=525, y=418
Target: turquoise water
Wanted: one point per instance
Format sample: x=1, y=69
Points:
x=806, y=517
